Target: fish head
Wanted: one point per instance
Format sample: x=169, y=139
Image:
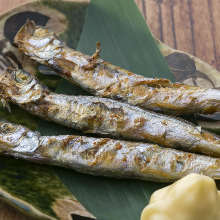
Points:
x=43, y=44
x=9, y=135
x=19, y=86
x=17, y=138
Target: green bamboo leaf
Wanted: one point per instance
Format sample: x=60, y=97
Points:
x=125, y=38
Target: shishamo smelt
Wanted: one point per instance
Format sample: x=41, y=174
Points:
x=104, y=116
x=106, y=80
x=104, y=156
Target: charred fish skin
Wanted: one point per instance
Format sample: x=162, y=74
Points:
x=104, y=156
x=106, y=80
x=105, y=116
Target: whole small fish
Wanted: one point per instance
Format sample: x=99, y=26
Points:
x=104, y=156
x=106, y=80
x=104, y=116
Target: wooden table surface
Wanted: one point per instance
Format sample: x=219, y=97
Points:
x=189, y=25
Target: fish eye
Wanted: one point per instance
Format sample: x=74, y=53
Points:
x=6, y=128
x=22, y=77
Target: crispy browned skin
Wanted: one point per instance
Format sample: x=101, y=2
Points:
x=106, y=80
x=105, y=116
x=104, y=156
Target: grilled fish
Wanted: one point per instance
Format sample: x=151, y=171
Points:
x=104, y=116
x=106, y=80
x=104, y=156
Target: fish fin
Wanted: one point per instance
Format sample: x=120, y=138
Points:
x=96, y=55
x=93, y=60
